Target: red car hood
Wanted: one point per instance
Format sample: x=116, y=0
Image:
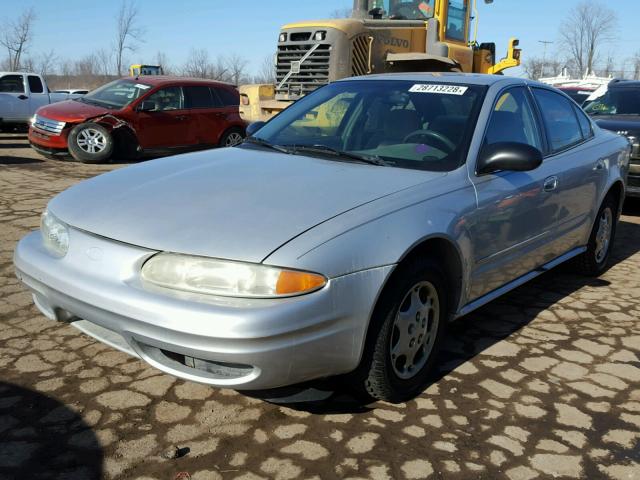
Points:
x=71, y=111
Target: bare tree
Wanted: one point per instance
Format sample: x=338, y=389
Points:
x=163, y=61
x=236, y=68
x=266, y=71
x=533, y=67
x=341, y=13
x=198, y=64
x=15, y=37
x=588, y=27
x=128, y=32
x=46, y=63
x=636, y=66
x=104, y=59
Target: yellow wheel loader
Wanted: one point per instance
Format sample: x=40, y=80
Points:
x=381, y=36
x=139, y=69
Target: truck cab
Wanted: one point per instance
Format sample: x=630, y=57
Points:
x=21, y=94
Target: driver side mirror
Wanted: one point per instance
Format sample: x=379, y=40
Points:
x=509, y=156
x=252, y=128
x=147, y=106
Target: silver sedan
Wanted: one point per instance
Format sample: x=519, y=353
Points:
x=340, y=238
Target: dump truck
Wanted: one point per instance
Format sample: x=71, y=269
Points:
x=381, y=36
x=140, y=69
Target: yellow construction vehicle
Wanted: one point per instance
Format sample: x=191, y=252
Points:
x=139, y=69
x=381, y=36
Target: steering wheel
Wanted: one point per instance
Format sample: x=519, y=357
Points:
x=448, y=145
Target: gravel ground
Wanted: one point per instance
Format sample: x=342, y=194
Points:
x=543, y=383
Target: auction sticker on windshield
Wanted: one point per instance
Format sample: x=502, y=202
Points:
x=441, y=89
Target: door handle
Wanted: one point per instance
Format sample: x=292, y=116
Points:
x=181, y=117
x=22, y=97
x=600, y=164
x=550, y=184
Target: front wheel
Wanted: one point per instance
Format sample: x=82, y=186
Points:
x=232, y=137
x=406, y=332
x=90, y=143
x=594, y=260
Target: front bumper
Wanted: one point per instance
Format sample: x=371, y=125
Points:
x=47, y=141
x=249, y=344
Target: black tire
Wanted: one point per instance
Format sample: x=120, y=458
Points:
x=82, y=150
x=594, y=261
x=378, y=375
x=232, y=137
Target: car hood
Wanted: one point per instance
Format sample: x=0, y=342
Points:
x=233, y=203
x=618, y=123
x=72, y=111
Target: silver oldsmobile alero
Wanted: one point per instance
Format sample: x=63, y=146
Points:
x=340, y=238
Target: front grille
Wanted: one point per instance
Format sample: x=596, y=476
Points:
x=48, y=125
x=635, y=153
x=360, y=56
x=633, y=181
x=307, y=73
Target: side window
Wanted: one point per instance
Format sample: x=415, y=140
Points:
x=456, y=19
x=228, y=98
x=35, y=84
x=585, y=123
x=166, y=99
x=563, y=129
x=198, y=97
x=11, y=84
x=513, y=120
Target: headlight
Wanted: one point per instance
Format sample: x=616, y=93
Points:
x=221, y=277
x=319, y=36
x=282, y=37
x=33, y=120
x=55, y=234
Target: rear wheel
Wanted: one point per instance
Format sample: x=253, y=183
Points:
x=232, y=137
x=90, y=143
x=406, y=332
x=595, y=259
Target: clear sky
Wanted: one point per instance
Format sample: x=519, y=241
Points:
x=74, y=28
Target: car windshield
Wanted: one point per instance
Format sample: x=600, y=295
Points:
x=617, y=101
x=117, y=94
x=409, y=124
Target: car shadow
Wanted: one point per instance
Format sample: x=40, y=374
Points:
x=631, y=206
x=43, y=438
x=490, y=324
x=14, y=145
x=7, y=160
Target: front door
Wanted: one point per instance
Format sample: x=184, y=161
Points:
x=38, y=97
x=512, y=228
x=168, y=124
x=14, y=99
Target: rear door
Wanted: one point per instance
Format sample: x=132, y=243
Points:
x=38, y=94
x=582, y=173
x=513, y=227
x=14, y=98
x=206, y=115
x=168, y=125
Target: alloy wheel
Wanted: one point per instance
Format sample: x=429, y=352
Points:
x=234, y=138
x=414, y=330
x=603, y=235
x=91, y=140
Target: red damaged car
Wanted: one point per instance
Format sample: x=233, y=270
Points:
x=146, y=116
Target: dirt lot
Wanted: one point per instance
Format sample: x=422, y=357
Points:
x=542, y=383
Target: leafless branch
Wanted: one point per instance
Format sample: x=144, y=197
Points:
x=15, y=37
x=128, y=33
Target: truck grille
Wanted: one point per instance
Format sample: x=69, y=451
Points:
x=48, y=125
x=297, y=75
x=360, y=56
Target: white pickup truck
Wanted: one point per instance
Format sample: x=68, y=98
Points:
x=21, y=94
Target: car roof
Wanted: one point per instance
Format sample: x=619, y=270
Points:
x=449, y=77
x=624, y=84
x=159, y=80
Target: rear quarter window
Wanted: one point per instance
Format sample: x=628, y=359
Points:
x=559, y=116
x=228, y=98
x=11, y=84
x=585, y=123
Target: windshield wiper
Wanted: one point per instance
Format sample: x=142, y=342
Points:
x=264, y=143
x=369, y=159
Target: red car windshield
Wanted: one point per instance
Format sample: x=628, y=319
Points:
x=117, y=94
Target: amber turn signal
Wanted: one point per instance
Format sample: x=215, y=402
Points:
x=291, y=282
